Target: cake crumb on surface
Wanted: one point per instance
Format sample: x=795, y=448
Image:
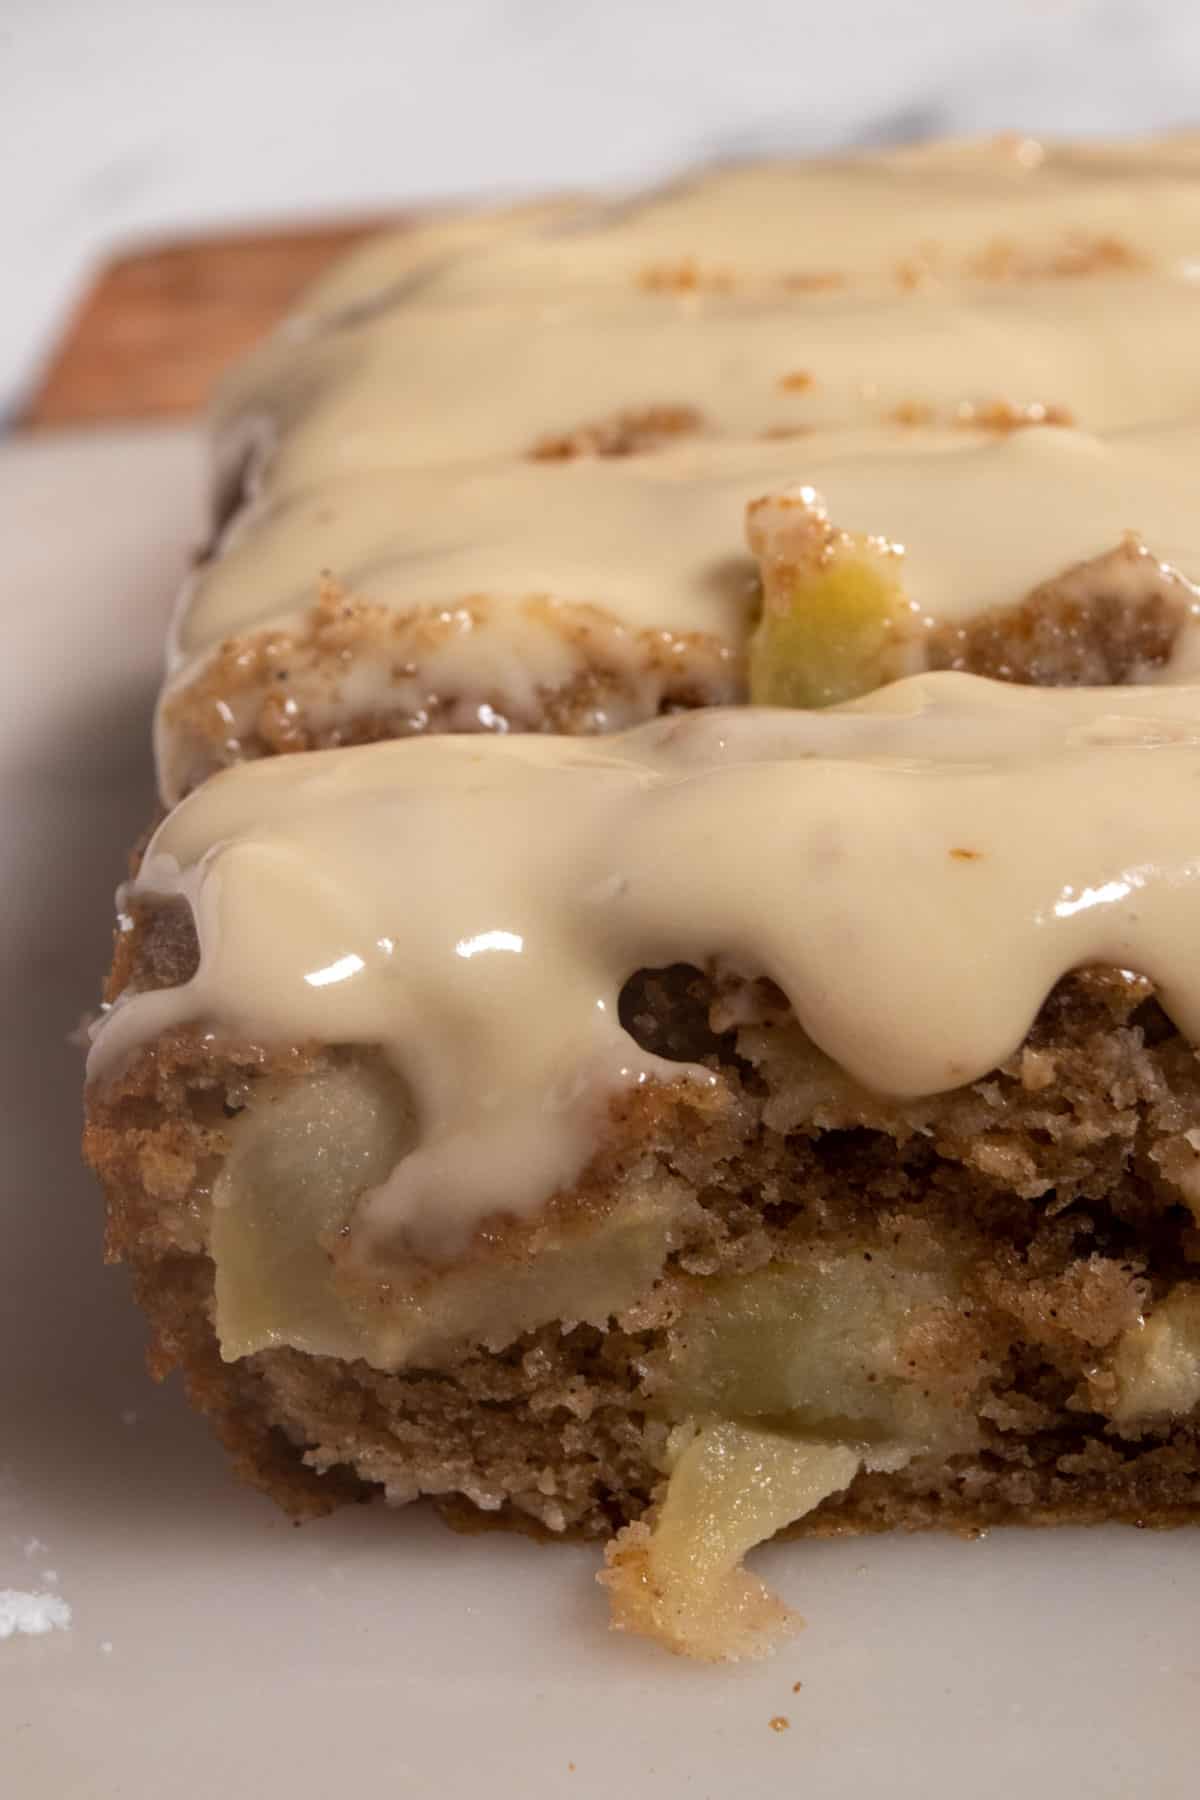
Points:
x=31, y=1614
x=781, y=1723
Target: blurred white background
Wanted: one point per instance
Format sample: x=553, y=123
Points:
x=129, y=119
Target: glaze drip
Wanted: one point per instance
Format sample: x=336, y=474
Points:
x=915, y=870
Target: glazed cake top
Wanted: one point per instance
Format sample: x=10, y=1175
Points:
x=914, y=870
x=434, y=426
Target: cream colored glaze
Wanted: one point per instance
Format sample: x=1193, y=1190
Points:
x=421, y=385
x=656, y=540
x=463, y=343
x=474, y=905
x=941, y=211
x=656, y=543
x=381, y=270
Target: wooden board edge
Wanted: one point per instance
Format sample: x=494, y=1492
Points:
x=159, y=323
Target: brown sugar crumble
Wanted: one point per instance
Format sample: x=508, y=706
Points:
x=781, y=1723
x=1079, y=254
x=1105, y=623
x=1002, y=415
x=626, y=433
x=275, y=690
x=685, y=277
x=989, y=415
x=911, y=274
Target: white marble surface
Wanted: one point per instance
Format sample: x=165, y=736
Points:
x=126, y=119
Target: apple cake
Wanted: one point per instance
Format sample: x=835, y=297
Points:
x=661, y=1007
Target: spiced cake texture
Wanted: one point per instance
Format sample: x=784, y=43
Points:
x=767, y=1294
x=1061, y=1182
x=898, y=1285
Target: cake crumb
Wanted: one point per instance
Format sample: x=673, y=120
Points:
x=1002, y=415
x=31, y=1614
x=812, y=281
x=796, y=1686
x=781, y=1722
x=961, y=855
x=685, y=277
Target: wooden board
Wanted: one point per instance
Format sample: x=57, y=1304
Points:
x=157, y=326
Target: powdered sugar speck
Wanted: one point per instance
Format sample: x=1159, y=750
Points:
x=32, y=1614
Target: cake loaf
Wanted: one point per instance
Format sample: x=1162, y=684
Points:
x=663, y=1009
x=404, y=539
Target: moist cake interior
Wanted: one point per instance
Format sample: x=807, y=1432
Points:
x=728, y=1277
